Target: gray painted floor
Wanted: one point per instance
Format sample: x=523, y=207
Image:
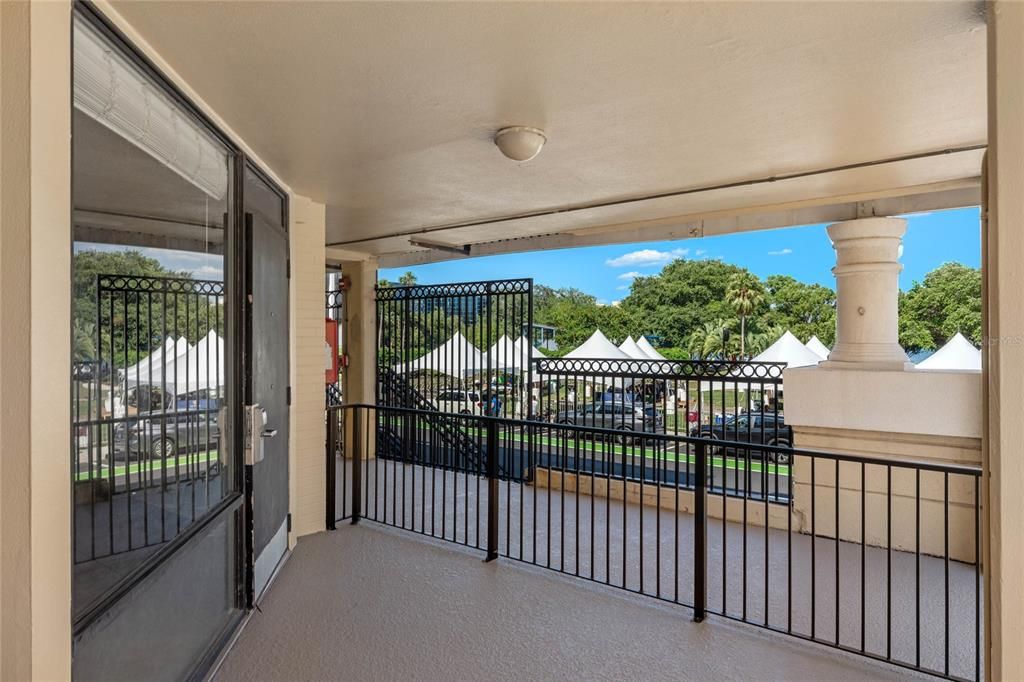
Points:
x=650, y=551
x=370, y=602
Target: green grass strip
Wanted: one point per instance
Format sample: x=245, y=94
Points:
x=181, y=461
x=599, y=447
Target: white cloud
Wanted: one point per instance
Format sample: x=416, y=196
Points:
x=701, y=252
x=624, y=287
x=780, y=252
x=209, y=272
x=646, y=258
x=629, y=275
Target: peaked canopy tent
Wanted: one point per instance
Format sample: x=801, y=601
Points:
x=198, y=367
x=789, y=350
x=818, y=348
x=957, y=354
x=527, y=350
x=597, y=349
x=503, y=355
x=630, y=348
x=457, y=357
x=150, y=366
x=644, y=345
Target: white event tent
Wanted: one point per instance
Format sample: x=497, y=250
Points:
x=525, y=351
x=150, y=366
x=818, y=348
x=504, y=356
x=645, y=345
x=789, y=350
x=630, y=348
x=958, y=353
x=189, y=368
x=598, y=347
x=456, y=357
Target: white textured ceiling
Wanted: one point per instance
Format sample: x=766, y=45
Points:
x=385, y=111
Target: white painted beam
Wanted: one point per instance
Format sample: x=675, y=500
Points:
x=958, y=194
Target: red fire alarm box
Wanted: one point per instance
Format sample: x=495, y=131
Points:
x=331, y=351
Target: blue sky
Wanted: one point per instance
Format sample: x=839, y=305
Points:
x=803, y=252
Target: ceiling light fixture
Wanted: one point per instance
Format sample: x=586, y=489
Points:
x=520, y=143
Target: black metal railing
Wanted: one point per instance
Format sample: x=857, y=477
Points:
x=334, y=309
x=146, y=459
x=714, y=399
x=874, y=556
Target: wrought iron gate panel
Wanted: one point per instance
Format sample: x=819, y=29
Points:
x=146, y=460
x=452, y=348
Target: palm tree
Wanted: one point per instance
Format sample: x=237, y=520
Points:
x=744, y=294
x=760, y=341
x=408, y=279
x=713, y=339
x=84, y=340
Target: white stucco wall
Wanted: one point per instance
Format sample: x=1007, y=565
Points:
x=934, y=403
x=306, y=442
x=35, y=301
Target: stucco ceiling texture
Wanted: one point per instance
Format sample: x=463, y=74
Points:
x=385, y=111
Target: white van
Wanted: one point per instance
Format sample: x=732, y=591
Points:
x=461, y=402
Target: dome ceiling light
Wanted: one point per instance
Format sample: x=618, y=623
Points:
x=520, y=143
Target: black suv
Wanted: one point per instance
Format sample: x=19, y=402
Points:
x=754, y=427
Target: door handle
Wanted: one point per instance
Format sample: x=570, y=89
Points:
x=268, y=433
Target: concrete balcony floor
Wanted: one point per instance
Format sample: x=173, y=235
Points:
x=372, y=602
x=369, y=602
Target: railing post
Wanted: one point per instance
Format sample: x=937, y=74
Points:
x=357, y=466
x=332, y=471
x=700, y=564
x=492, y=490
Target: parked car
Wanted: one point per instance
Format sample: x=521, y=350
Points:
x=462, y=402
x=90, y=370
x=164, y=433
x=617, y=415
x=755, y=427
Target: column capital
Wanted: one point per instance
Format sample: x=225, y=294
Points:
x=867, y=293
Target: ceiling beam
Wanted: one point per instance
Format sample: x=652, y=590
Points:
x=941, y=196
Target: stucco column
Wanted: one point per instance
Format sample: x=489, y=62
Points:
x=1003, y=360
x=35, y=342
x=307, y=427
x=867, y=292
x=359, y=342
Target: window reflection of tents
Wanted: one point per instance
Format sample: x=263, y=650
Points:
x=175, y=372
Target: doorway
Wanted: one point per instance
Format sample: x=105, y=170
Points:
x=179, y=322
x=267, y=390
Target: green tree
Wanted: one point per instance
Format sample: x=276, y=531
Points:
x=805, y=309
x=127, y=327
x=679, y=300
x=946, y=302
x=744, y=294
x=408, y=279
x=577, y=315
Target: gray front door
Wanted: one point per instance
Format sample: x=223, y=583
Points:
x=267, y=228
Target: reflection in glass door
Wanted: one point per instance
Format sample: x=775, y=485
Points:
x=154, y=458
